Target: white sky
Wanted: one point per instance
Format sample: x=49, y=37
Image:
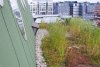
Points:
x=78, y=0
x=92, y=1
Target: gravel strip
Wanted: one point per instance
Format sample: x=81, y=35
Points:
x=40, y=61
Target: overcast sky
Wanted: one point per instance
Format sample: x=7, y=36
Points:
x=92, y=1
x=78, y=0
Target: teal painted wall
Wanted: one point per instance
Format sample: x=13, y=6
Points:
x=15, y=51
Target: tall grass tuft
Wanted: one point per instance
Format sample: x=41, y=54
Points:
x=84, y=33
x=55, y=44
x=43, y=25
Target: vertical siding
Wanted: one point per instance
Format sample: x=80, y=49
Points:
x=8, y=56
x=15, y=51
x=28, y=23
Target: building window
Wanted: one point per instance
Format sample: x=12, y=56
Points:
x=75, y=4
x=33, y=9
x=18, y=16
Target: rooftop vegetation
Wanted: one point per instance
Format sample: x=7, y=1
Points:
x=82, y=34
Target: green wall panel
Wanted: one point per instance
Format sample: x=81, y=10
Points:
x=11, y=25
x=15, y=51
x=8, y=57
x=28, y=21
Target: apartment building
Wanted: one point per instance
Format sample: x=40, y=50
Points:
x=64, y=8
x=34, y=7
x=41, y=7
x=88, y=10
x=97, y=14
x=97, y=10
x=75, y=9
x=80, y=10
x=69, y=8
x=55, y=8
x=50, y=8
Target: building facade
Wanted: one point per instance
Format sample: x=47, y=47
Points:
x=75, y=9
x=97, y=14
x=49, y=8
x=80, y=10
x=41, y=7
x=88, y=10
x=70, y=8
x=64, y=8
x=55, y=8
x=34, y=7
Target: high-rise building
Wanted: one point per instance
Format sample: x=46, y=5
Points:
x=50, y=8
x=88, y=10
x=64, y=8
x=34, y=7
x=97, y=10
x=80, y=10
x=55, y=8
x=41, y=7
x=75, y=9
x=97, y=14
x=70, y=8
